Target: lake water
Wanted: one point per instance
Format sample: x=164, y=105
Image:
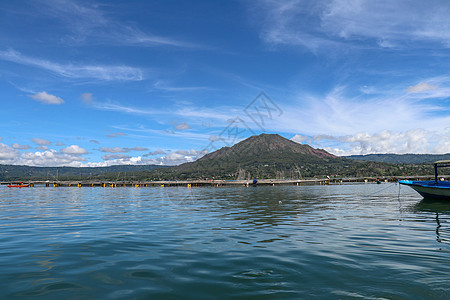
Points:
x=339, y=242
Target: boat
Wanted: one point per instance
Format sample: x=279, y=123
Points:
x=436, y=189
x=18, y=185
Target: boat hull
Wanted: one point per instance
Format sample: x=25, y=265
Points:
x=17, y=185
x=430, y=189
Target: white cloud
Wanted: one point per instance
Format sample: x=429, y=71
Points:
x=87, y=98
x=74, y=149
x=182, y=126
x=169, y=159
x=116, y=157
x=138, y=148
x=385, y=141
x=190, y=153
x=301, y=139
x=20, y=147
x=112, y=149
x=45, y=98
x=116, y=134
x=443, y=146
x=49, y=158
x=121, y=159
x=42, y=148
x=7, y=154
x=421, y=87
x=156, y=152
x=41, y=142
x=99, y=72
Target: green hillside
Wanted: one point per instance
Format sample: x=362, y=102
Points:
x=120, y=172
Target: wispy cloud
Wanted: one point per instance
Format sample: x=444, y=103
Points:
x=87, y=22
x=116, y=134
x=98, y=72
x=133, y=36
x=398, y=120
x=421, y=87
x=321, y=24
x=162, y=85
x=341, y=112
x=222, y=113
x=121, y=150
x=124, y=109
x=290, y=22
x=388, y=22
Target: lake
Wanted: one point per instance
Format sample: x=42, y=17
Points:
x=360, y=241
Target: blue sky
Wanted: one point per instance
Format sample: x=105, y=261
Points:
x=96, y=83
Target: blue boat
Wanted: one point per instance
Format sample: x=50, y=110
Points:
x=432, y=188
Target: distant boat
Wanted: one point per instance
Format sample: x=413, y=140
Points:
x=18, y=185
x=432, y=188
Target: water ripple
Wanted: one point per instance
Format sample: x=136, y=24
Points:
x=346, y=241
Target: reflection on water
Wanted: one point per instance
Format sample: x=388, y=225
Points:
x=441, y=209
x=346, y=241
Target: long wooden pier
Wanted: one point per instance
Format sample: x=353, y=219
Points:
x=217, y=183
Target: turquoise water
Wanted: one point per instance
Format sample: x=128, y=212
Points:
x=338, y=241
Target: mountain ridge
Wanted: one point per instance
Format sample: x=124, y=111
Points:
x=408, y=158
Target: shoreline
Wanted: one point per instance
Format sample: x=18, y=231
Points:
x=216, y=183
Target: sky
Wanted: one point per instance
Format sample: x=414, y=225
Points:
x=99, y=83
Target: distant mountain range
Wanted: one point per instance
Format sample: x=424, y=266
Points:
x=401, y=158
x=261, y=156
x=120, y=172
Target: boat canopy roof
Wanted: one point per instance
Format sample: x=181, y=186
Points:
x=443, y=163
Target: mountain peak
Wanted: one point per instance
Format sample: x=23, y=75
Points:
x=265, y=149
x=262, y=156
x=275, y=142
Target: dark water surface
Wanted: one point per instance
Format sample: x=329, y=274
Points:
x=341, y=241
